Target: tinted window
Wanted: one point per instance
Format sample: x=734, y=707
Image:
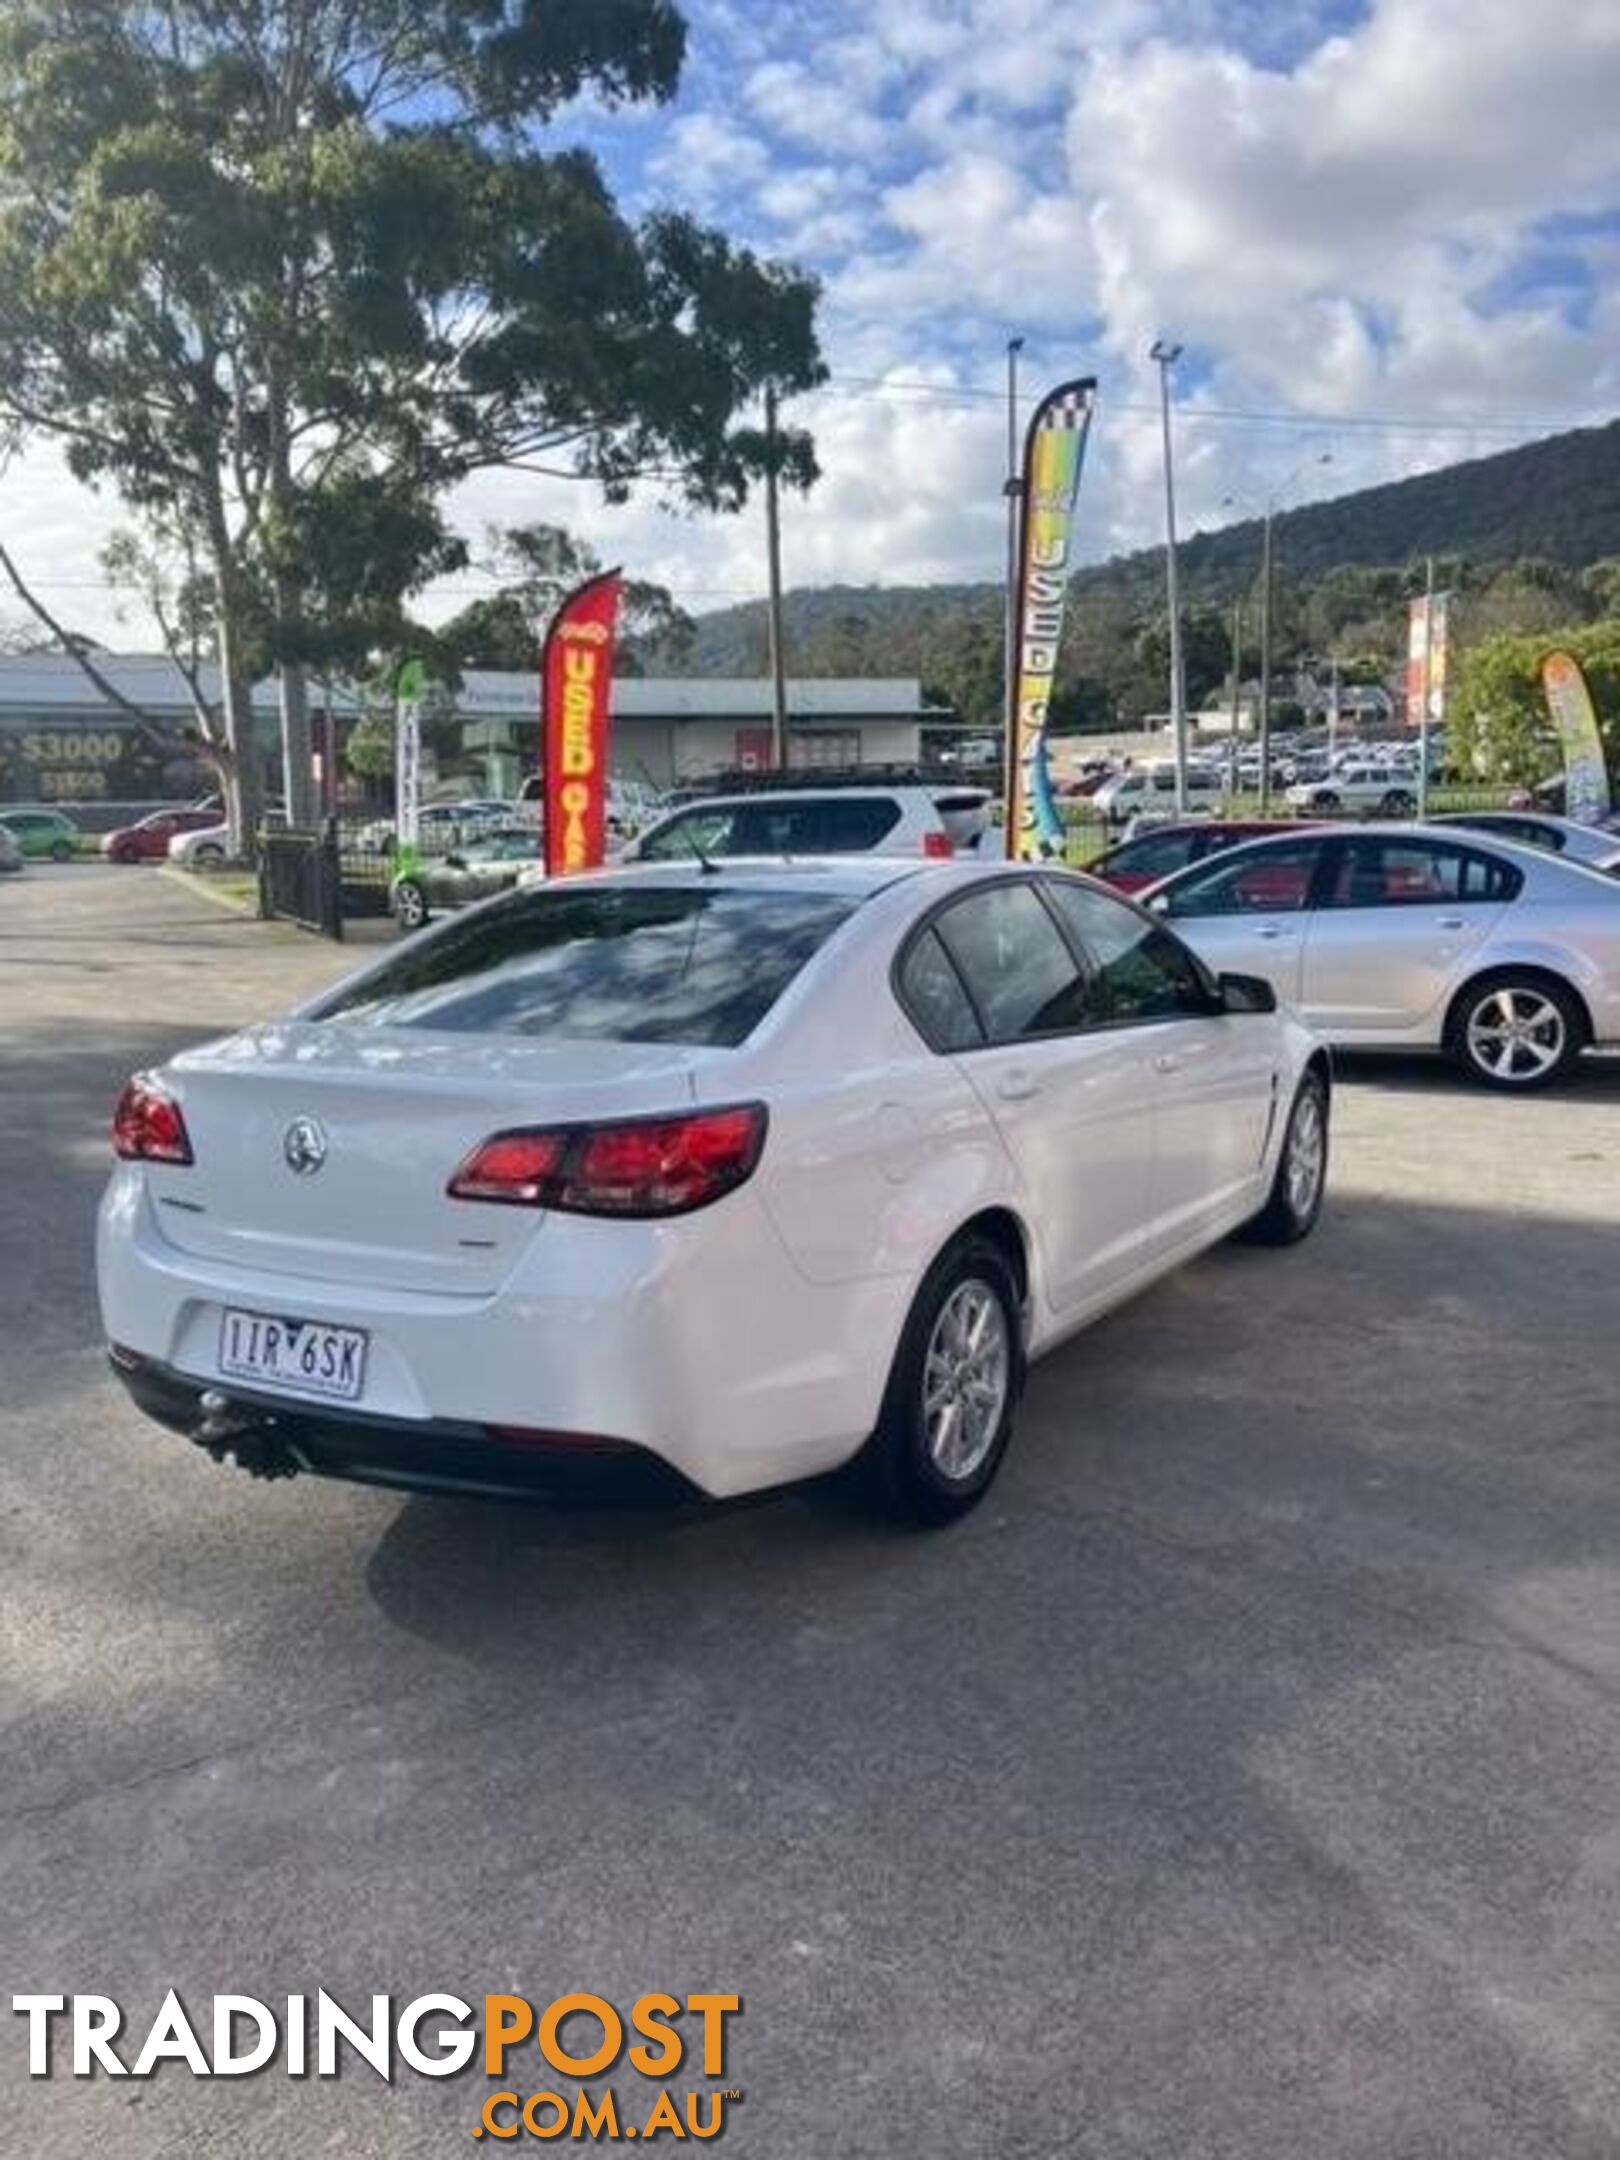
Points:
x=827, y=825
x=1155, y=855
x=1417, y=873
x=1512, y=828
x=931, y=992
x=1268, y=881
x=505, y=847
x=1020, y=974
x=693, y=834
x=1142, y=972
x=830, y=826
x=700, y=966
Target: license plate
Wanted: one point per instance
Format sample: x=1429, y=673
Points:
x=298, y=1354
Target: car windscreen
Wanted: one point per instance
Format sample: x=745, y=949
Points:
x=684, y=964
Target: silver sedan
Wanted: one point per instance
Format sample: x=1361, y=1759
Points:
x=1596, y=845
x=1402, y=937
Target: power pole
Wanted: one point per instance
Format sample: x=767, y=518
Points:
x=1265, y=666
x=773, y=555
x=1167, y=354
x=1237, y=685
x=1013, y=489
x=1333, y=709
x=1428, y=685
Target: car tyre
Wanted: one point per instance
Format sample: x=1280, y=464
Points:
x=410, y=904
x=1397, y=803
x=948, y=1409
x=61, y=851
x=1300, y=1179
x=1516, y=1031
x=1326, y=800
x=208, y=855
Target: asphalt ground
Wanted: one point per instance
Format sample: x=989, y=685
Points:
x=1243, y=1779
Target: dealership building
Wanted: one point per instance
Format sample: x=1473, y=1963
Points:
x=62, y=742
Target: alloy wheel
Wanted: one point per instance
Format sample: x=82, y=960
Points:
x=1516, y=1034
x=967, y=1373
x=1307, y=1155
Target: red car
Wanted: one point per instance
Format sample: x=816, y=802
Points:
x=147, y=840
x=1158, y=853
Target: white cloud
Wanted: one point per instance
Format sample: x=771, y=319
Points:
x=1334, y=219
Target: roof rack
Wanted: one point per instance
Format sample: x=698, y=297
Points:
x=799, y=777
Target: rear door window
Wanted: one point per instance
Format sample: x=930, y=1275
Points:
x=1021, y=975
x=1417, y=873
x=932, y=994
x=685, y=964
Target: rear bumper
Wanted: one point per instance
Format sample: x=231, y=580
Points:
x=272, y=1436
x=695, y=1341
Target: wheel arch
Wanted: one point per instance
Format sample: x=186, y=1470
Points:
x=1506, y=970
x=1004, y=1229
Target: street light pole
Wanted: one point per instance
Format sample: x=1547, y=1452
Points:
x=1166, y=355
x=1012, y=488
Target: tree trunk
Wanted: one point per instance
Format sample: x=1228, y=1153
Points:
x=297, y=742
x=239, y=766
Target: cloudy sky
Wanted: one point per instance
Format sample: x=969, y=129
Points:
x=1388, y=234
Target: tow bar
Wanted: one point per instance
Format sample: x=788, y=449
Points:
x=231, y=1432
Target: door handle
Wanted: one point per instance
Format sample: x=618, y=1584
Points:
x=1167, y=1062
x=1453, y=922
x=1272, y=930
x=1017, y=1086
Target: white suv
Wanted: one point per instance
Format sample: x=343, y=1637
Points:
x=1389, y=788
x=820, y=821
x=1152, y=789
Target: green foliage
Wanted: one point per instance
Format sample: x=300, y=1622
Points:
x=282, y=275
x=1500, y=725
x=539, y=566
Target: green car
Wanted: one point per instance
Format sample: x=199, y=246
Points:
x=489, y=864
x=42, y=834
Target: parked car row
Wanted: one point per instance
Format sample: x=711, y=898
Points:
x=41, y=835
x=776, y=823
x=794, y=1140
x=732, y=1169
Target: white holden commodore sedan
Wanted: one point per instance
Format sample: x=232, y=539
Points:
x=732, y=1171
x=1418, y=937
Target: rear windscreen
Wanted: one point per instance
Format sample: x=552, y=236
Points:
x=689, y=964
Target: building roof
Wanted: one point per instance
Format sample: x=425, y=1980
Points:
x=486, y=693
x=46, y=680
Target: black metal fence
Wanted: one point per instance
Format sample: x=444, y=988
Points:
x=301, y=878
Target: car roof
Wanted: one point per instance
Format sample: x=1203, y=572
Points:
x=848, y=876
x=1518, y=851
x=903, y=791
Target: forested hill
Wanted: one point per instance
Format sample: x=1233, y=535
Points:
x=1557, y=500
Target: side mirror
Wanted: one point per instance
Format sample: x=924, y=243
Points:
x=1159, y=904
x=1247, y=994
x=453, y=861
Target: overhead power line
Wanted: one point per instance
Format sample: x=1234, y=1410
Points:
x=1234, y=415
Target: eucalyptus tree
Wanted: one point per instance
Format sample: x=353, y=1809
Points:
x=282, y=272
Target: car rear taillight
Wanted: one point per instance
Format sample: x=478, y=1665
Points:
x=937, y=844
x=147, y=1125
x=637, y=1167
